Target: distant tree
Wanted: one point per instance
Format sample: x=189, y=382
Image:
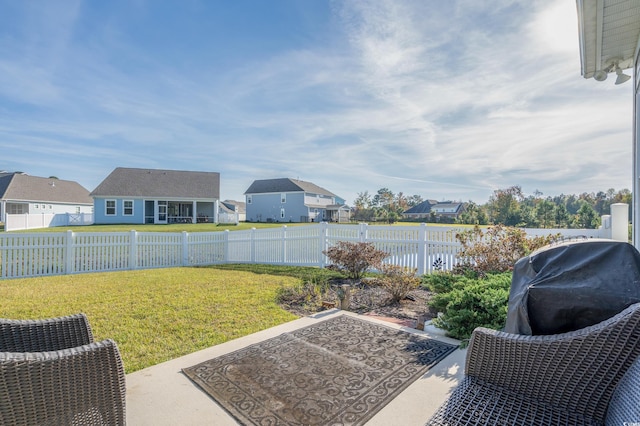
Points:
x=414, y=200
x=473, y=214
x=526, y=216
x=54, y=177
x=363, y=201
x=586, y=217
x=545, y=213
x=561, y=216
x=504, y=206
x=383, y=198
x=400, y=203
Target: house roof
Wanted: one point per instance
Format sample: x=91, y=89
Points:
x=22, y=187
x=233, y=205
x=608, y=33
x=129, y=182
x=422, y=208
x=285, y=185
x=448, y=205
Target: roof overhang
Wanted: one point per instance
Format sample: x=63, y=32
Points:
x=608, y=32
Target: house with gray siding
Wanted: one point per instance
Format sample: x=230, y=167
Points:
x=130, y=195
x=292, y=200
x=24, y=194
x=432, y=209
x=420, y=211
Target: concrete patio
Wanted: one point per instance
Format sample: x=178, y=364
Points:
x=163, y=395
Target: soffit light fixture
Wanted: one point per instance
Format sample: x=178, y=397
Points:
x=613, y=64
x=621, y=77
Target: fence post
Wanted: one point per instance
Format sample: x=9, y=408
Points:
x=620, y=222
x=226, y=246
x=362, y=232
x=284, y=245
x=323, y=242
x=422, y=249
x=185, y=248
x=133, y=249
x=253, y=245
x=68, y=253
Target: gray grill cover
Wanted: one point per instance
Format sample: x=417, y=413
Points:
x=572, y=285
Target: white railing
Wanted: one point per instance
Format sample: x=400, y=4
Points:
x=423, y=247
x=19, y=222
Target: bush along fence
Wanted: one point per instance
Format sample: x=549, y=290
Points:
x=423, y=248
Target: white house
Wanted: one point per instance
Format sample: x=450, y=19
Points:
x=24, y=194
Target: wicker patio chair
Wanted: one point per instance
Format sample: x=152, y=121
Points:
x=562, y=379
x=54, y=383
x=45, y=334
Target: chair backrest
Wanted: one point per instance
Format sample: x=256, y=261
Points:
x=84, y=386
x=43, y=335
x=624, y=407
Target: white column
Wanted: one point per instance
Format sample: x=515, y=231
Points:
x=620, y=222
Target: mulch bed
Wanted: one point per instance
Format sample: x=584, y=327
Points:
x=370, y=300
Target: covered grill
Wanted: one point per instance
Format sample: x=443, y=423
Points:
x=571, y=285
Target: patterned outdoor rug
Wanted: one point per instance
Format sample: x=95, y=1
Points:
x=339, y=371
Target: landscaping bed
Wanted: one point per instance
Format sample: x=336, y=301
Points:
x=365, y=299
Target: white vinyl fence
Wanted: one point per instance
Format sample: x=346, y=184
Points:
x=18, y=222
x=423, y=247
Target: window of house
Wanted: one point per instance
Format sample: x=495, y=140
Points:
x=281, y=213
x=283, y=198
x=17, y=208
x=110, y=207
x=127, y=207
x=248, y=199
x=77, y=210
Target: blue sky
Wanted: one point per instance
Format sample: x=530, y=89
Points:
x=444, y=99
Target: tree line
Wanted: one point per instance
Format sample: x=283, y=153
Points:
x=507, y=206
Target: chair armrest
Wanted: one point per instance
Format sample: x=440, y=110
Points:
x=83, y=385
x=44, y=335
x=578, y=370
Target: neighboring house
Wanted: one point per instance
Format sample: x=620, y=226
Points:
x=435, y=209
x=448, y=209
x=21, y=193
x=131, y=195
x=292, y=200
x=239, y=207
x=420, y=211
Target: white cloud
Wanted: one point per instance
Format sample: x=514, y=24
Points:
x=442, y=99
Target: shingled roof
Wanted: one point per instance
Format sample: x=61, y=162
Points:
x=131, y=182
x=22, y=187
x=422, y=208
x=285, y=185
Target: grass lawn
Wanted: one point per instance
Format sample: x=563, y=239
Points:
x=174, y=227
x=199, y=227
x=159, y=314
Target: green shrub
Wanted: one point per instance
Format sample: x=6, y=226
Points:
x=441, y=282
x=396, y=280
x=464, y=303
x=354, y=259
